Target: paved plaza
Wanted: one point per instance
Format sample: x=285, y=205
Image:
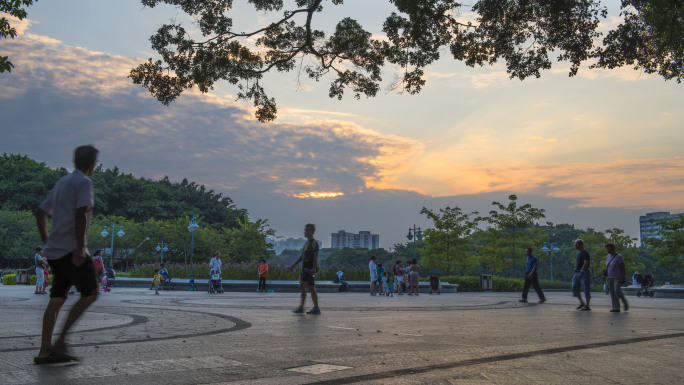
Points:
x=131, y=336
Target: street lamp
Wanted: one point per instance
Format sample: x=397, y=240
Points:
x=418, y=235
x=192, y=228
x=104, y=233
x=549, y=251
x=162, y=247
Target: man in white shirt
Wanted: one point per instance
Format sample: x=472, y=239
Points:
x=373, y=270
x=70, y=204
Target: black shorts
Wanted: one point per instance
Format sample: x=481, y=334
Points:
x=306, y=276
x=65, y=274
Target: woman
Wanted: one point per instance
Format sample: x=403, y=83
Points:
x=414, y=271
x=399, y=274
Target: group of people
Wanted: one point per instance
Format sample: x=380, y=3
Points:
x=614, y=275
x=398, y=279
x=71, y=203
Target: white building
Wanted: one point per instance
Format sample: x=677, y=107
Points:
x=649, y=225
x=364, y=239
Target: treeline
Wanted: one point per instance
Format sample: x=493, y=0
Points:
x=148, y=211
x=466, y=244
x=24, y=183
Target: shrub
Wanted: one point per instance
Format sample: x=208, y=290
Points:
x=9, y=279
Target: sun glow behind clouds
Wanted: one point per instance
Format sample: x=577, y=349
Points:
x=318, y=194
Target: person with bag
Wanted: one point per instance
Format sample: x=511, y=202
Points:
x=615, y=277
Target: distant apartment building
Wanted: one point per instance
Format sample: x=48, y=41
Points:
x=289, y=244
x=649, y=225
x=364, y=239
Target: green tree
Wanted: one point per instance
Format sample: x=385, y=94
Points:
x=14, y=8
x=24, y=183
x=448, y=244
x=247, y=242
x=669, y=248
x=414, y=36
x=650, y=38
x=595, y=242
x=18, y=238
x=501, y=246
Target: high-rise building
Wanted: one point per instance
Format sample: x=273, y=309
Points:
x=364, y=239
x=649, y=224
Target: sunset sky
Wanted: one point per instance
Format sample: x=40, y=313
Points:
x=596, y=150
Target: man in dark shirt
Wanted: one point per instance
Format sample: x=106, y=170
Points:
x=309, y=259
x=531, y=278
x=582, y=277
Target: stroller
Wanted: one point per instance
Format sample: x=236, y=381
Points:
x=111, y=277
x=646, y=283
x=435, y=284
x=166, y=283
x=215, y=284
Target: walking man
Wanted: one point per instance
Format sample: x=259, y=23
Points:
x=615, y=269
x=582, y=277
x=309, y=259
x=373, y=269
x=531, y=277
x=70, y=203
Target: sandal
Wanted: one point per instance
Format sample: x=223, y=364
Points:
x=51, y=359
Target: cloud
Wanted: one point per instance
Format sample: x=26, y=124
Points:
x=61, y=96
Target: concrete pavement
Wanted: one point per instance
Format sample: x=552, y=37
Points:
x=131, y=336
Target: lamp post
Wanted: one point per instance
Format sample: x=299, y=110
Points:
x=162, y=247
x=104, y=233
x=410, y=236
x=549, y=251
x=192, y=228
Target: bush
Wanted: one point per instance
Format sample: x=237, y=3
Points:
x=9, y=279
x=245, y=271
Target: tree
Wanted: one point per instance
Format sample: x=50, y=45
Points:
x=651, y=38
x=595, y=242
x=414, y=36
x=447, y=245
x=14, y=8
x=513, y=230
x=247, y=242
x=669, y=247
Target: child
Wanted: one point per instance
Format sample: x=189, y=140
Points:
x=390, y=285
x=156, y=281
x=46, y=280
x=263, y=273
x=384, y=284
x=381, y=272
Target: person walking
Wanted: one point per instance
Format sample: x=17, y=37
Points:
x=70, y=204
x=373, y=269
x=309, y=259
x=582, y=277
x=615, y=276
x=531, y=278
x=41, y=266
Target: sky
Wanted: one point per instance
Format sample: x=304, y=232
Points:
x=596, y=150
